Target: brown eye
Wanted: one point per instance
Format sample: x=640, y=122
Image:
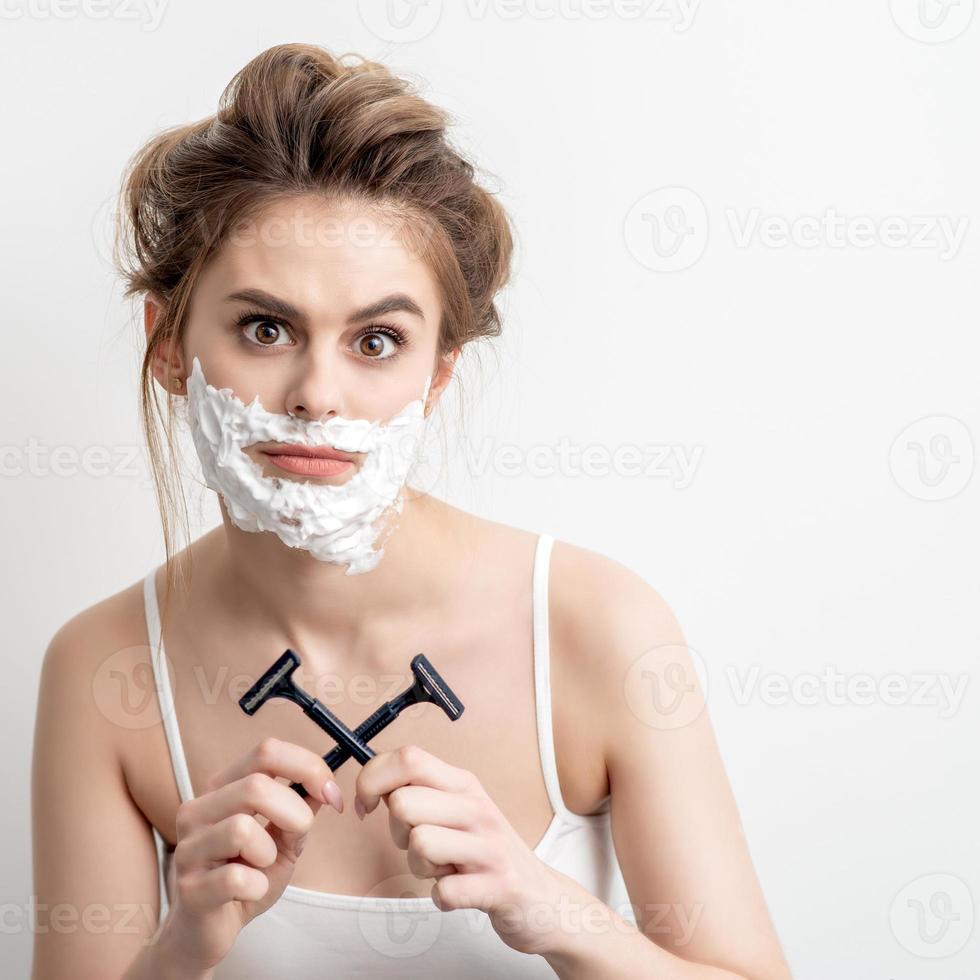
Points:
x=373, y=344
x=266, y=333
x=260, y=331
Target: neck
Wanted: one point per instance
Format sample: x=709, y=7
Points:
x=270, y=587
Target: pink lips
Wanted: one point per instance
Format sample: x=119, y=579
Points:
x=309, y=460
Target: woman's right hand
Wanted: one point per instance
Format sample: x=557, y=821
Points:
x=230, y=868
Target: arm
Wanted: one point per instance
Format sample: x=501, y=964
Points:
x=95, y=865
x=676, y=828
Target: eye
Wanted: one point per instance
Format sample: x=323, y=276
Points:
x=373, y=343
x=380, y=342
x=268, y=331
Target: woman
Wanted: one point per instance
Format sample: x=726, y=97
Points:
x=312, y=261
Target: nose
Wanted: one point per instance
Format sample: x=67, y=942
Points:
x=316, y=390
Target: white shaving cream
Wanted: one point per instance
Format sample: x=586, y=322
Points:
x=334, y=522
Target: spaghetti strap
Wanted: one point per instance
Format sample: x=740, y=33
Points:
x=542, y=690
x=161, y=680
x=542, y=671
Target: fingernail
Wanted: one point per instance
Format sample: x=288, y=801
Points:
x=359, y=808
x=332, y=795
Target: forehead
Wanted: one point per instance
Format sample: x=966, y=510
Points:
x=323, y=256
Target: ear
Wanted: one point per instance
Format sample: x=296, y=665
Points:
x=168, y=363
x=151, y=309
x=444, y=367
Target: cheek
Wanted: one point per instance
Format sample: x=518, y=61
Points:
x=225, y=368
x=390, y=399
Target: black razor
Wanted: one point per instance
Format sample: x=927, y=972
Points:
x=428, y=686
x=277, y=682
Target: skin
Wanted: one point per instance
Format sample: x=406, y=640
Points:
x=463, y=812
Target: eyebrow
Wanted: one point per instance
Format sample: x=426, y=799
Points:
x=384, y=306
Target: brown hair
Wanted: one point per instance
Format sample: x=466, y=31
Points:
x=298, y=120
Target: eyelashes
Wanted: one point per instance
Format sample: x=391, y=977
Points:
x=256, y=316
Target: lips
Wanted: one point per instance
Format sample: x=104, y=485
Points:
x=313, y=452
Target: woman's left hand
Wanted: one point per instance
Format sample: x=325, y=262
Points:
x=453, y=832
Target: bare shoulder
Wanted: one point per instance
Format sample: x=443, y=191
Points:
x=113, y=621
x=603, y=611
x=597, y=605
x=91, y=652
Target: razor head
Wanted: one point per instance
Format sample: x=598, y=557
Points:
x=276, y=682
x=433, y=688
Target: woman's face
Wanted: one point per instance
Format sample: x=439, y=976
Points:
x=321, y=312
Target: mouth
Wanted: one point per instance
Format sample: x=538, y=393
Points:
x=308, y=460
x=314, y=452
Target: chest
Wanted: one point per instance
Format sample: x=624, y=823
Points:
x=487, y=656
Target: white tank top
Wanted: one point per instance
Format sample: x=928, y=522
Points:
x=308, y=935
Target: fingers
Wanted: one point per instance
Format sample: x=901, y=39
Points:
x=410, y=764
x=230, y=882
x=256, y=793
x=431, y=848
x=236, y=836
x=466, y=891
x=249, y=785
x=274, y=757
x=220, y=843
x=409, y=806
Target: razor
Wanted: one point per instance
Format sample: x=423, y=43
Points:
x=277, y=681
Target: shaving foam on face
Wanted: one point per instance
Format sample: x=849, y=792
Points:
x=334, y=522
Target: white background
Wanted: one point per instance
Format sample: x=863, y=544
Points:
x=817, y=541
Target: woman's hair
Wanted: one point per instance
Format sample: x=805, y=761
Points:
x=296, y=120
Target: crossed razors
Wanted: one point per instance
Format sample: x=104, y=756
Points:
x=277, y=682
